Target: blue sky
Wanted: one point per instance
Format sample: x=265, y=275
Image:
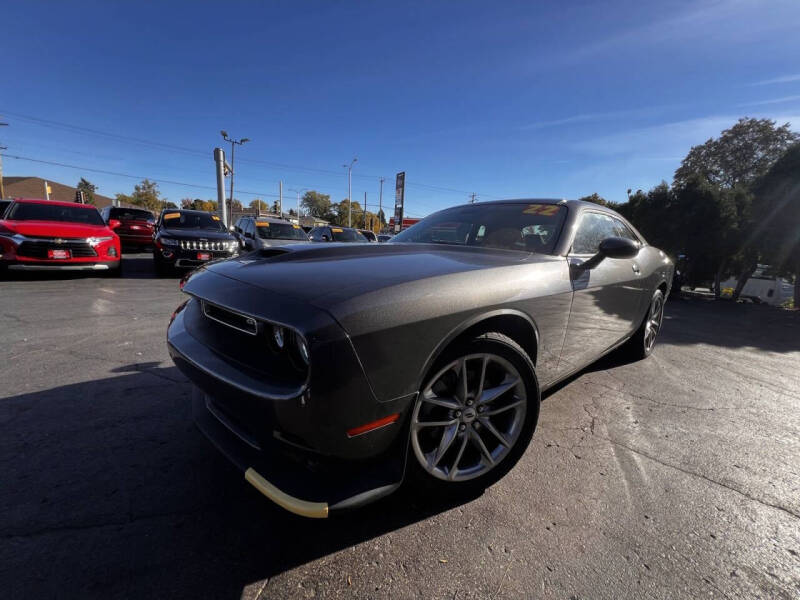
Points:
x=511, y=99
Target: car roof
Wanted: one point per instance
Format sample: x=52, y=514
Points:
x=268, y=219
x=53, y=202
x=562, y=201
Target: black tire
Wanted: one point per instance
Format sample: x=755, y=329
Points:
x=507, y=349
x=160, y=267
x=638, y=347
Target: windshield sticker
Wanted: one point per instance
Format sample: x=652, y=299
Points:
x=546, y=210
x=215, y=217
x=262, y=224
x=336, y=230
x=296, y=226
x=172, y=216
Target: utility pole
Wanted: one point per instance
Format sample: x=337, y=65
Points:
x=234, y=143
x=380, y=204
x=298, y=201
x=280, y=199
x=219, y=159
x=350, y=191
x=472, y=197
x=47, y=190
x=365, y=210
x=2, y=195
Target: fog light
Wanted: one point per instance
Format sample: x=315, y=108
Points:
x=277, y=335
x=112, y=251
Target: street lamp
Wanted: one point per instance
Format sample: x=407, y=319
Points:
x=350, y=191
x=298, y=200
x=234, y=143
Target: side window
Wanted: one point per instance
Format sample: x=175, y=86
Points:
x=249, y=228
x=238, y=226
x=624, y=231
x=314, y=234
x=593, y=229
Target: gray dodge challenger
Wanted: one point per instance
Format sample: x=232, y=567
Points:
x=332, y=373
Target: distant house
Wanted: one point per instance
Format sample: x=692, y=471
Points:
x=33, y=187
x=310, y=221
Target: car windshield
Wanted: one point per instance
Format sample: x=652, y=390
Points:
x=36, y=211
x=526, y=227
x=192, y=220
x=130, y=214
x=280, y=231
x=346, y=235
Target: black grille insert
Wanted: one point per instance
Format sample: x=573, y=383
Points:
x=39, y=248
x=232, y=319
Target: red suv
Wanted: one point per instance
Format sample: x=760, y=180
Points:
x=136, y=225
x=44, y=235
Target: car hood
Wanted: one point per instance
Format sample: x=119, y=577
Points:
x=58, y=229
x=329, y=274
x=274, y=243
x=196, y=234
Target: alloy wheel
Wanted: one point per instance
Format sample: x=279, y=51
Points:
x=654, y=319
x=468, y=417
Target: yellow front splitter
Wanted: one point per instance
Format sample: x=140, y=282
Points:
x=304, y=508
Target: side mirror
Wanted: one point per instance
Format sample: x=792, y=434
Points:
x=113, y=223
x=617, y=247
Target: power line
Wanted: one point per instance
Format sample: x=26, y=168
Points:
x=195, y=152
x=130, y=176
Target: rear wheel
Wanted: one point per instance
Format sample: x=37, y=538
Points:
x=474, y=416
x=644, y=340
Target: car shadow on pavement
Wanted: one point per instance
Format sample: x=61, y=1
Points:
x=110, y=491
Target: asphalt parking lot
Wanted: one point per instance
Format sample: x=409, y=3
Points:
x=674, y=477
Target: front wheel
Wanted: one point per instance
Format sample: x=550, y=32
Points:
x=474, y=416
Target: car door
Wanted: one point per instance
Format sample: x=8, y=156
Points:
x=606, y=293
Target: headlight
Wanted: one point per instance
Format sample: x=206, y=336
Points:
x=93, y=241
x=168, y=241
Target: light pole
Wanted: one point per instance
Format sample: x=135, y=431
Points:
x=1, y=164
x=350, y=191
x=298, y=200
x=234, y=143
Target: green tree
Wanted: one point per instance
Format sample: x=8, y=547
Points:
x=598, y=199
x=775, y=223
x=258, y=204
x=170, y=205
x=122, y=199
x=739, y=155
x=317, y=205
x=147, y=195
x=343, y=214
x=88, y=190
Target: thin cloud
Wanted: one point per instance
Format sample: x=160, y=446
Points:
x=772, y=101
x=784, y=79
x=599, y=116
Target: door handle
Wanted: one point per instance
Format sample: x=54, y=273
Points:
x=635, y=268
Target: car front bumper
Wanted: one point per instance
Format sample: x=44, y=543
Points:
x=291, y=445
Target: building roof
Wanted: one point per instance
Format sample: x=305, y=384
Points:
x=33, y=187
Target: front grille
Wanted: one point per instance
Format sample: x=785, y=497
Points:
x=232, y=319
x=203, y=245
x=38, y=249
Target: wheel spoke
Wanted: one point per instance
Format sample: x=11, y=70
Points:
x=476, y=438
x=488, y=424
x=495, y=411
x=422, y=424
x=447, y=440
x=454, y=469
x=463, y=379
x=443, y=402
x=493, y=393
x=484, y=364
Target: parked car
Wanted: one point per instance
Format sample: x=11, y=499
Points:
x=189, y=238
x=763, y=287
x=37, y=235
x=254, y=233
x=329, y=375
x=384, y=237
x=136, y=225
x=370, y=235
x=336, y=234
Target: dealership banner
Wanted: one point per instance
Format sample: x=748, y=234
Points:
x=399, y=196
